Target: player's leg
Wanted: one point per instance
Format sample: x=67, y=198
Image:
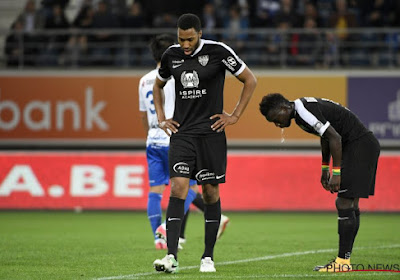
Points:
x=175, y=213
x=182, y=157
x=161, y=231
x=357, y=215
x=359, y=163
x=182, y=239
x=154, y=213
x=211, y=165
x=193, y=190
x=158, y=179
x=367, y=167
x=199, y=202
x=192, y=195
x=212, y=217
x=346, y=226
x=346, y=229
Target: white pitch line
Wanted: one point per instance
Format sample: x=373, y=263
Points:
x=137, y=275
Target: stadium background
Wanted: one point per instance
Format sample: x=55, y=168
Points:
x=71, y=137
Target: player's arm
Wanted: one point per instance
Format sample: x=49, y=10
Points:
x=158, y=104
x=335, y=148
x=143, y=107
x=143, y=118
x=326, y=156
x=249, y=84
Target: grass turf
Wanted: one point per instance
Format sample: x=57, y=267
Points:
x=119, y=245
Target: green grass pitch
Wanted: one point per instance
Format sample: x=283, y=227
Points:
x=119, y=245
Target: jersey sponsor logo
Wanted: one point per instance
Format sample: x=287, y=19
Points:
x=182, y=168
x=228, y=65
x=190, y=79
x=204, y=174
x=176, y=66
x=232, y=61
x=318, y=126
x=178, y=61
x=203, y=60
x=150, y=82
x=192, y=94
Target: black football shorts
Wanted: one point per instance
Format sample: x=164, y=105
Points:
x=359, y=164
x=199, y=158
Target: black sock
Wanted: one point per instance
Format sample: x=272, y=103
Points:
x=183, y=225
x=175, y=213
x=346, y=229
x=357, y=213
x=212, y=216
x=199, y=202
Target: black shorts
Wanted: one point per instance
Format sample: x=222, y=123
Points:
x=199, y=158
x=358, y=170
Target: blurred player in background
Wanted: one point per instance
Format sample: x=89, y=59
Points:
x=157, y=146
x=198, y=143
x=354, y=151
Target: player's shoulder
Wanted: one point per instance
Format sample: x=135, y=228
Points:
x=148, y=78
x=305, y=103
x=216, y=46
x=173, y=50
x=307, y=100
x=149, y=74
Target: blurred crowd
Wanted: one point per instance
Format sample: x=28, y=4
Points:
x=26, y=44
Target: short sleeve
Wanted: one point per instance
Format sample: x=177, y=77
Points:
x=231, y=61
x=164, y=72
x=311, y=114
x=142, y=104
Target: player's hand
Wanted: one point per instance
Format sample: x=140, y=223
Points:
x=325, y=179
x=169, y=126
x=334, y=183
x=223, y=121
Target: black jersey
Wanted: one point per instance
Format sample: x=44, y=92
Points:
x=199, y=83
x=315, y=115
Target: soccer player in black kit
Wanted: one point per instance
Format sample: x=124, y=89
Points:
x=198, y=144
x=354, y=151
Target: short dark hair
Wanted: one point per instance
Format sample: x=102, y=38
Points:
x=187, y=21
x=272, y=101
x=160, y=44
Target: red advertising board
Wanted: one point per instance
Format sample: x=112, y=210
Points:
x=118, y=180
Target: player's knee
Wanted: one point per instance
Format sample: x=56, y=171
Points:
x=344, y=203
x=210, y=194
x=179, y=188
x=355, y=203
x=157, y=189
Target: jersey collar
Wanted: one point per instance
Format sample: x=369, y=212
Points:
x=199, y=48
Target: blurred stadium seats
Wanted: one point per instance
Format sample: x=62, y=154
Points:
x=265, y=33
x=127, y=48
